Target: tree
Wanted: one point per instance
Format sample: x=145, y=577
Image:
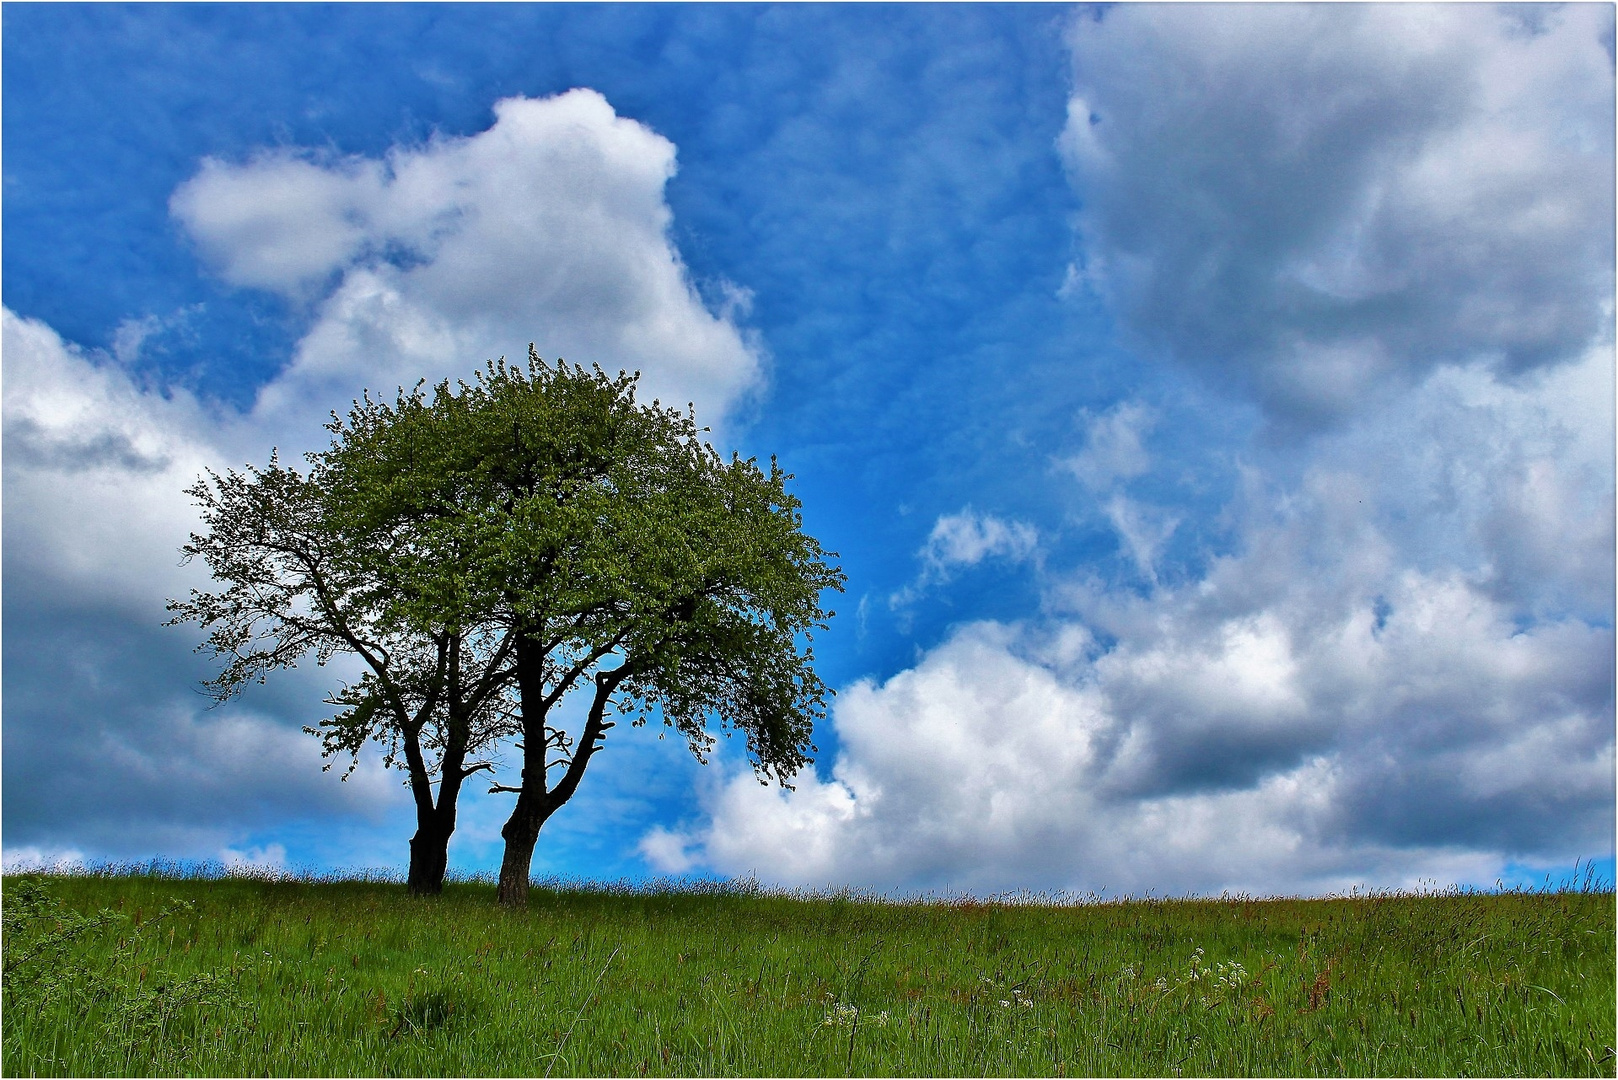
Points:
x=622, y=557
x=490, y=551
x=323, y=563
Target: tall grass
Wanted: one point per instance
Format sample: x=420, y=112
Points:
x=355, y=977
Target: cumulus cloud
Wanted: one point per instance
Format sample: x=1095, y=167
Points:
x=283, y=223
x=550, y=226
x=270, y=857
x=1391, y=679
x=95, y=468
x=552, y=219
x=1319, y=204
x=996, y=764
x=667, y=850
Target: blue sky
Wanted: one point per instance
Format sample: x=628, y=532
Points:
x=1216, y=430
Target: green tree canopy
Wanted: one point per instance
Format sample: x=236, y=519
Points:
x=622, y=554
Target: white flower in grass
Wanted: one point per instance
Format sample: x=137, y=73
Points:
x=842, y=1014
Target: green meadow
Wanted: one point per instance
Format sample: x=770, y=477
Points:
x=147, y=974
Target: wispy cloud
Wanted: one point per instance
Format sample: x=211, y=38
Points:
x=1114, y=446
x=965, y=539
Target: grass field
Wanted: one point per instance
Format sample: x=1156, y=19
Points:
x=253, y=977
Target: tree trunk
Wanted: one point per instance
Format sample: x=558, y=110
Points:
x=429, y=848
x=521, y=833
x=521, y=830
x=429, y=857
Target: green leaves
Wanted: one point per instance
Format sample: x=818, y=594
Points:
x=549, y=501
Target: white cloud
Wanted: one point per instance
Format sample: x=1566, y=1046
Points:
x=1321, y=204
x=282, y=223
x=95, y=469
x=667, y=852
x=1115, y=453
x=30, y=857
x=552, y=220
x=1373, y=689
x=967, y=538
x=1242, y=759
x=984, y=769
x=269, y=857
x=1143, y=529
x=550, y=227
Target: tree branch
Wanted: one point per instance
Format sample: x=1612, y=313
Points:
x=595, y=728
x=566, y=682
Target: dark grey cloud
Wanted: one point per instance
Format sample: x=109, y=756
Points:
x=1318, y=204
x=1556, y=783
x=110, y=746
x=27, y=440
